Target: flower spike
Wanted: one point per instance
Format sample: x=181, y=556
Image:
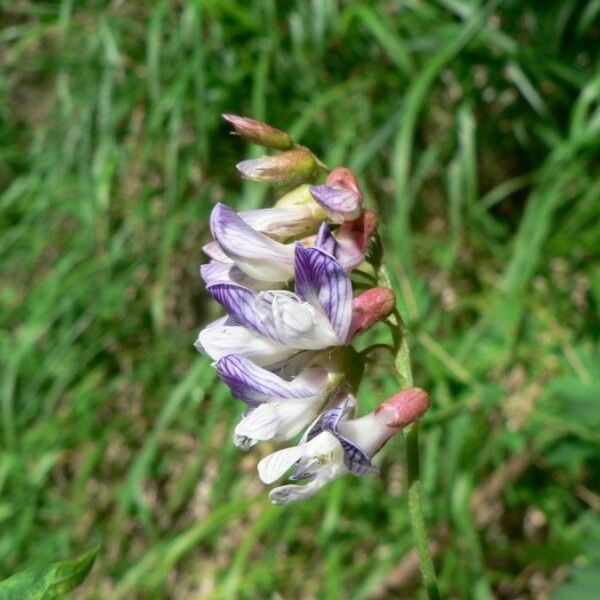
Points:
x=283, y=275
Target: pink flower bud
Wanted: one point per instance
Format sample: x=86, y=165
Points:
x=360, y=230
x=371, y=306
x=260, y=133
x=293, y=166
x=403, y=408
x=344, y=178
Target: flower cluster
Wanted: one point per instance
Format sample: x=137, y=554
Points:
x=283, y=276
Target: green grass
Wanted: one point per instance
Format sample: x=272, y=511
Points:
x=475, y=130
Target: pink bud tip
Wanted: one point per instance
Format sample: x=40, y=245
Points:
x=371, y=306
x=260, y=133
x=404, y=407
x=362, y=229
x=344, y=178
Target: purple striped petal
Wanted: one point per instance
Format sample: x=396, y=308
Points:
x=321, y=281
x=340, y=204
x=255, y=385
x=326, y=241
x=355, y=458
x=253, y=252
x=342, y=410
x=218, y=272
x=248, y=308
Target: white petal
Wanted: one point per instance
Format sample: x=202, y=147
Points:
x=273, y=466
x=325, y=447
x=276, y=421
x=214, y=251
x=260, y=424
x=293, y=418
x=286, y=494
x=218, y=340
x=300, y=324
x=284, y=221
x=219, y=272
x=367, y=433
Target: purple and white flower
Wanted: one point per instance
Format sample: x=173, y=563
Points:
x=317, y=315
x=336, y=444
x=249, y=242
x=253, y=252
x=278, y=408
x=271, y=326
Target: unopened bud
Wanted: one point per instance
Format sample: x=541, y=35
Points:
x=371, y=306
x=344, y=178
x=403, y=408
x=260, y=133
x=292, y=166
x=360, y=230
x=340, y=197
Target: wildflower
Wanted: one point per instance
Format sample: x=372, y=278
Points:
x=255, y=253
x=273, y=325
x=262, y=258
x=336, y=444
x=282, y=274
x=317, y=315
x=279, y=408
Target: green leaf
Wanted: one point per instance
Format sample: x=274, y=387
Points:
x=48, y=581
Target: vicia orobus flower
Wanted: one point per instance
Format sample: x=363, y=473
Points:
x=317, y=315
x=279, y=408
x=337, y=444
x=249, y=240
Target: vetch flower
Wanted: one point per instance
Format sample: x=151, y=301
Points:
x=253, y=250
x=317, y=315
x=336, y=444
x=271, y=326
x=256, y=254
x=225, y=336
x=279, y=408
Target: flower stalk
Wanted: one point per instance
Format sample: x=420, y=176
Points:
x=411, y=447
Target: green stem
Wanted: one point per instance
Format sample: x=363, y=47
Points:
x=411, y=445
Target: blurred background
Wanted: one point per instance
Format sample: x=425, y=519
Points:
x=475, y=130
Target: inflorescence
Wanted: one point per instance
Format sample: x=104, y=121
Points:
x=283, y=276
